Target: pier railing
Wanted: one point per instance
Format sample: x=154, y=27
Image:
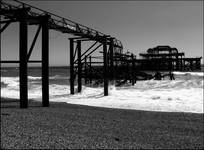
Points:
x=55, y=22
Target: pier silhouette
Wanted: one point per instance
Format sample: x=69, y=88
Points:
x=112, y=64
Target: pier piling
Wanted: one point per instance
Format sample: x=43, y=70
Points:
x=105, y=66
x=71, y=66
x=45, y=62
x=23, y=47
x=79, y=66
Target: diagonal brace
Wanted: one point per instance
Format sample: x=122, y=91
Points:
x=87, y=51
x=75, y=52
x=5, y=26
x=34, y=41
x=92, y=51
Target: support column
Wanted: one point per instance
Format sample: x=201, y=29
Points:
x=71, y=66
x=85, y=69
x=23, y=46
x=0, y=40
x=170, y=64
x=177, y=63
x=105, y=67
x=90, y=71
x=111, y=60
x=79, y=66
x=45, y=62
x=191, y=65
x=198, y=65
x=133, y=69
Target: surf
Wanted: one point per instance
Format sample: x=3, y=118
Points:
x=185, y=94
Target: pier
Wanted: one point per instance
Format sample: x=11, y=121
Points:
x=27, y=15
x=104, y=62
x=164, y=58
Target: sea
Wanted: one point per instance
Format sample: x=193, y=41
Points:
x=184, y=94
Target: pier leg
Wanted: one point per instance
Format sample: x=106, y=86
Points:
x=85, y=69
x=71, y=66
x=198, y=65
x=90, y=75
x=133, y=70
x=105, y=67
x=170, y=64
x=23, y=45
x=45, y=62
x=191, y=65
x=111, y=60
x=177, y=63
x=79, y=66
x=0, y=42
x=182, y=63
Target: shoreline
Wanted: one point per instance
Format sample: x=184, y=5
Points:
x=71, y=126
x=39, y=104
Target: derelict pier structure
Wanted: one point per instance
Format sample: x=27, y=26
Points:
x=26, y=15
x=110, y=64
x=166, y=58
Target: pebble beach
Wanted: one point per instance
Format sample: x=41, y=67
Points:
x=73, y=126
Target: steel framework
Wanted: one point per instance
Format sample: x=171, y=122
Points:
x=16, y=11
x=112, y=66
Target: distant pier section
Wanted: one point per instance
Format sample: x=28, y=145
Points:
x=167, y=58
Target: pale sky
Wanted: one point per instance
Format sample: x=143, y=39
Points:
x=139, y=25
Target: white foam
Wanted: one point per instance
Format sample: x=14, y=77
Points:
x=59, y=77
x=52, y=77
x=189, y=73
x=34, y=78
x=183, y=100
x=10, y=81
x=152, y=95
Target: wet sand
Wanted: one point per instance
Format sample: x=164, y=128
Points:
x=71, y=126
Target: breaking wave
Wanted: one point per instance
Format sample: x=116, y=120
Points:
x=185, y=94
x=190, y=73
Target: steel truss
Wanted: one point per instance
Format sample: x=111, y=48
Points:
x=16, y=11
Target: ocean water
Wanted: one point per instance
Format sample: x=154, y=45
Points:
x=184, y=94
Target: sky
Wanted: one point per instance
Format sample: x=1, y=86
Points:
x=139, y=25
